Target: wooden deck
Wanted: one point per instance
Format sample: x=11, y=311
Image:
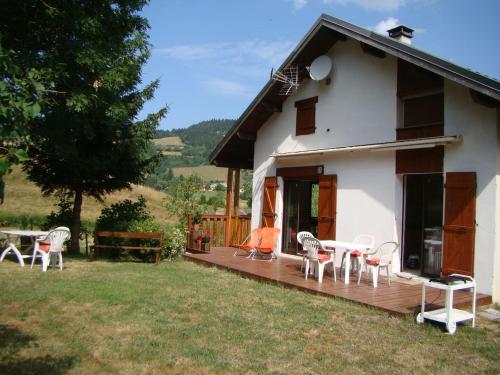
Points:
x=400, y=298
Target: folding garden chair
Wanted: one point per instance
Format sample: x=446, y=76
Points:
x=251, y=242
x=267, y=243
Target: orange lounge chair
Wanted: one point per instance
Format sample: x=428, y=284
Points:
x=251, y=242
x=267, y=244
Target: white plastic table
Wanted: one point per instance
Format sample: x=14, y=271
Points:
x=348, y=247
x=12, y=247
x=448, y=314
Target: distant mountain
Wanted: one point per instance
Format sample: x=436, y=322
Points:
x=200, y=140
x=186, y=147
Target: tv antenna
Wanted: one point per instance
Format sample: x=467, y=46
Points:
x=289, y=77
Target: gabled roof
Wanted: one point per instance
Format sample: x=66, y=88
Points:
x=236, y=149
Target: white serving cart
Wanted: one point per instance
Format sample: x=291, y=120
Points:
x=448, y=314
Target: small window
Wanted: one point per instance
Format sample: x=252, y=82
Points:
x=306, y=116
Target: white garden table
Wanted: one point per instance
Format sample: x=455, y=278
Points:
x=33, y=234
x=328, y=245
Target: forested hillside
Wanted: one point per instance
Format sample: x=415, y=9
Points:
x=199, y=139
x=187, y=147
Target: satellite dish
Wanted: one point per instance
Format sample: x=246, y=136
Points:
x=320, y=68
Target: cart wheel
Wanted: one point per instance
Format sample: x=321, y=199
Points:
x=420, y=318
x=451, y=327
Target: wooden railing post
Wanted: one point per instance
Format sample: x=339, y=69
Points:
x=236, y=208
x=229, y=193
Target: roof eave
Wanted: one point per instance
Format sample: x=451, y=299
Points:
x=456, y=73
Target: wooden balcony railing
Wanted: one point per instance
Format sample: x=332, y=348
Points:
x=216, y=225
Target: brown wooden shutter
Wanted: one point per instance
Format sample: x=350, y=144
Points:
x=269, y=202
x=427, y=160
x=327, y=210
x=424, y=110
x=306, y=116
x=459, y=223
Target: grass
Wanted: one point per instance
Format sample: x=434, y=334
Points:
x=23, y=197
x=169, y=141
x=178, y=317
x=206, y=172
x=171, y=153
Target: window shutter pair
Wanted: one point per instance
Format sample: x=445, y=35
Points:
x=306, y=116
x=327, y=209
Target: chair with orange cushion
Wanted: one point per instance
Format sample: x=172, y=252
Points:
x=379, y=258
x=267, y=244
x=50, y=247
x=356, y=255
x=300, y=239
x=251, y=242
x=316, y=259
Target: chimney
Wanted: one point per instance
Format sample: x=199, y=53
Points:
x=401, y=33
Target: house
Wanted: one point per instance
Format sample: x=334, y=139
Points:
x=393, y=142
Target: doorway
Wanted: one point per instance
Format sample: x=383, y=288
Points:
x=423, y=224
x=300, y=212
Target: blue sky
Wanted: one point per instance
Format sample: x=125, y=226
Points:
x=214, y=56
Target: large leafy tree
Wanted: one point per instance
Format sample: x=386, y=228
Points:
x=21, y=96
x=87, y=140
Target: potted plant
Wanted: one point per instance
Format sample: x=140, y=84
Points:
x=196, y=221
x=199, y=241
x=205, y=242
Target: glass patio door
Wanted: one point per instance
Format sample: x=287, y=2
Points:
x=300, y=212
x=423, y=229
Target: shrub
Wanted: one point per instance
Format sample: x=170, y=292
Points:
x=183, y=197
x=128, y=216
x=63, y=216
x=145, y=226
x=174, y=242
x=22, y=221
x=120, y=216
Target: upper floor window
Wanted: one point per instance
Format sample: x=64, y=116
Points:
x=306, y=116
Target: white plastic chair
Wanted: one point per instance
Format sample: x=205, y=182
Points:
x=300, y=240
x=365, y=239
x=50, y=247
x=319, y=261
x=379, y=258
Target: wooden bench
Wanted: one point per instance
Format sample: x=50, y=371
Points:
x=128, y=235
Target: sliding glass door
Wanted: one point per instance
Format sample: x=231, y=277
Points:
x=300, y=212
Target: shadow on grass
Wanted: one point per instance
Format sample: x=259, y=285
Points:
x=12, y=341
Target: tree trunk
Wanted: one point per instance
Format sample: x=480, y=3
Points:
x=76, y=223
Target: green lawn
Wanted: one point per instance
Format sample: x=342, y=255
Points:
x=178, y=317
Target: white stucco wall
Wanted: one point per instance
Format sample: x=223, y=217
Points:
x=496, y=260
x=476, y=153
x=359, y=106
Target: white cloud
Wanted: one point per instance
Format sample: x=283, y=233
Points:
x=191, y=51
x=385, y=25
x=226, y=87
x=298, y=4
x=252, y=51
x=380, y=5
